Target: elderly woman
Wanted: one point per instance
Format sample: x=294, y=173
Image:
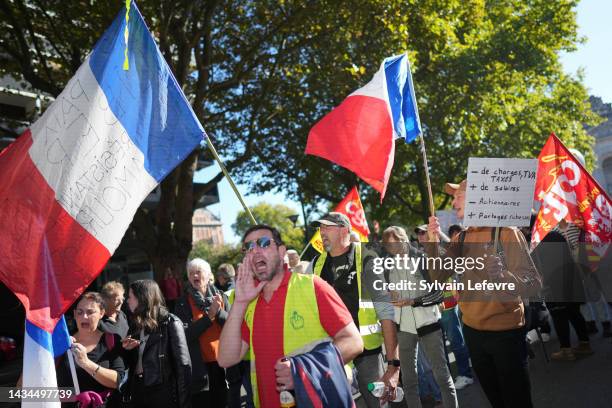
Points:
x=97, y=355
x=417, y=313
x=203, y=310
x=114, y=320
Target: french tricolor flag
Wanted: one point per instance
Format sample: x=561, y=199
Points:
x=360, y=133
x=72, y=183
x=39, y=353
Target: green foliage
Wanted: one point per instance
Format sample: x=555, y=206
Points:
x=216, y=255
x=260, y=74
x=488, y=82
x=275, y=216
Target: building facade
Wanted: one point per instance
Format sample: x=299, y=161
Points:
x=603, y=143
x=207, y=227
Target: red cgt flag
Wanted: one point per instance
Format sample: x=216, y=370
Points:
x=352, y=207
x=568, y=192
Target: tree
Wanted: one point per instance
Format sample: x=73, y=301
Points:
x=259, y=74
x=228, y=57
x=276, y=216
x=488, y=81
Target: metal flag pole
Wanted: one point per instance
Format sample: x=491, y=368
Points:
x=229, y=179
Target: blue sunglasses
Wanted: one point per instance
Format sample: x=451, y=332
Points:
x=262, y=242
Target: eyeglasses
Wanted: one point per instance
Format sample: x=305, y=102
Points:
x=262, y=242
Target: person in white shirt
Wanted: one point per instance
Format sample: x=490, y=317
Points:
x=417, y=313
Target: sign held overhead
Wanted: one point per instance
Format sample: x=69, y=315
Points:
x=499, y=192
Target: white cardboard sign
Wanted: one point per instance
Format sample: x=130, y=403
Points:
x=499, y=192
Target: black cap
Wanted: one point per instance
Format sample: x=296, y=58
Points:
x=420, y=228
x=334, y=218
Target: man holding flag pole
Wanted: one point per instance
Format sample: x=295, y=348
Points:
x=360, y=135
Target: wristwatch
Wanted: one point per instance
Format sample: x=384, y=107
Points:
x=394, y=363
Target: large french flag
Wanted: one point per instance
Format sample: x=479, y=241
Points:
x=72, y=183
x=360, y=133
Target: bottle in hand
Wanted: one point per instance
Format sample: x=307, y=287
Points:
x=287, y=400
x=378, y=389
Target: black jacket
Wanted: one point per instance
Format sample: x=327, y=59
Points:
x=120, y=327
x=166, y=359
x=562, y=281
x=193, y=331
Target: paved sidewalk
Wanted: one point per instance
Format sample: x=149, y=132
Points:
x=584, y=383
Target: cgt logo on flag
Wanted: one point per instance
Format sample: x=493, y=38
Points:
x=350, y=206
x=568, y=192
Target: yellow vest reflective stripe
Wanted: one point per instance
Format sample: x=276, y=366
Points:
x=302, y=329
x=230, y=296
x=369, y=326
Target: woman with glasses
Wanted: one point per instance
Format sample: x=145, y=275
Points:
x=97, y=355
x=159, y=365
x=114, y=320
x=203, y=310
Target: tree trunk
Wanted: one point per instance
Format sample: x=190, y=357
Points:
x=183, y=225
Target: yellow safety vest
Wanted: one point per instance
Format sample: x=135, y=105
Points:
x=230, y=295
x=369, y=326
x=302, y=329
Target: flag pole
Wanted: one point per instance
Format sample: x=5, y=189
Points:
x=304, y=251
x=73, y=373
x=428, y=181
x=496, y=240
x=229, y=179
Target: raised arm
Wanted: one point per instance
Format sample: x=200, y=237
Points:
x=232, y=347
x=432, y=248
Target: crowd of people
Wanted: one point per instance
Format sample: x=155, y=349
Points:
x=279, y=324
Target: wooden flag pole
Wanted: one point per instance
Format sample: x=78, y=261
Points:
x=229, y=179
x=432, y=211
x=496, y=241
x=428, y=181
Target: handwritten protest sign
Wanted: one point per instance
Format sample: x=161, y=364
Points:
x=499, y=192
